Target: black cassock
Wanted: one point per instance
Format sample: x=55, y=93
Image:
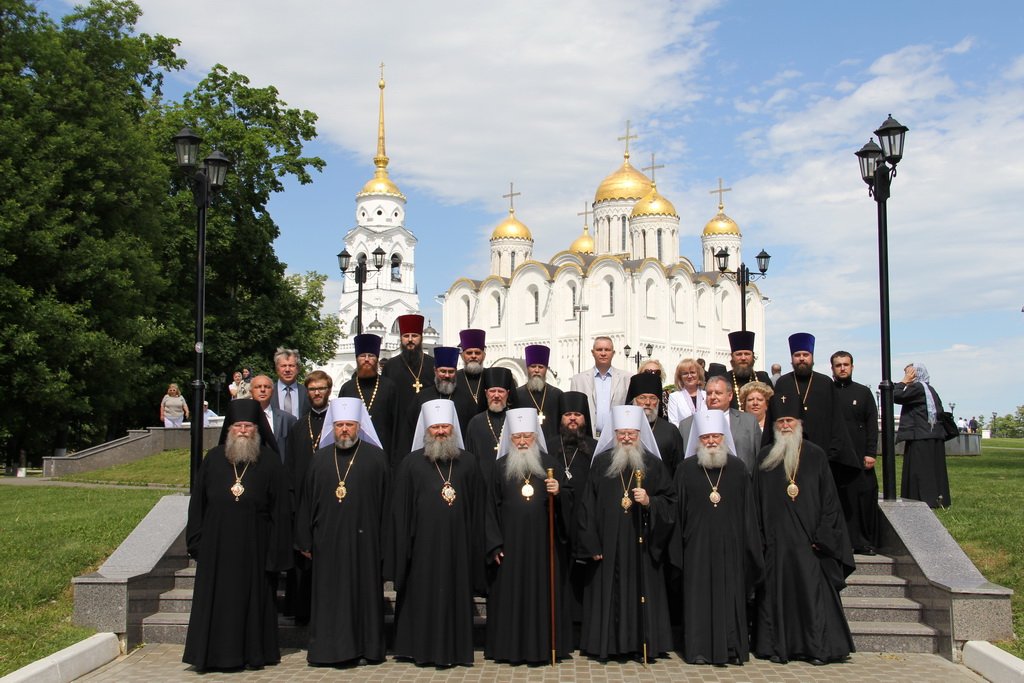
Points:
x=405, y=378
x=482, y=436
x=382, y=405
x=575, y=464
x=346, y=540
x=718, y=549
x=435, y=557
x=518, y=598
x=546, y=402
x=799, y=613
x=238, y=545
x=611, y=599
x=670, y=443
x=303, y=442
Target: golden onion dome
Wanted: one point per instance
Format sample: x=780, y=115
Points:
x=380, y=183
x=625, y=183
x=584, y=244
x=653, y=204
x=511, y=229
x=721, y=224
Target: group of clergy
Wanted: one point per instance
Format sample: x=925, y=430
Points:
x=454, y=483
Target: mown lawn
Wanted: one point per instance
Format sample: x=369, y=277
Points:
x=47, y=536
x=169, y=468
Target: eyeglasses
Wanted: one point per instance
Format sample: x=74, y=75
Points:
x=317, y=390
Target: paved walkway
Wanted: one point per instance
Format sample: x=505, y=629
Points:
x=161, y=662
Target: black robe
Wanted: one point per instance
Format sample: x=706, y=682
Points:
x=549, y=407
x=577, y=465
x=670, y=444
x=482, y=436
x=737, y=384
x=718, y=549
x=518, y=597
x=464, y=407
x=467, y=397
x=859, y=496
x=435, y=557
x=346, y=541
x=239, y=546
x=800, y=614
x=611, y=601
x=405, y=379
x=383, y=410
x=823, y=421
x=303, y=442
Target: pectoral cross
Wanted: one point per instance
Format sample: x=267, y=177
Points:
x=416, y=385
x=782, y=398
x=540, y=418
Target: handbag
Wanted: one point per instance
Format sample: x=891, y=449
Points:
x=949, y=428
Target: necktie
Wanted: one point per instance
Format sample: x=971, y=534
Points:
x=288, y=400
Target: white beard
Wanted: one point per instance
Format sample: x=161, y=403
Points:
x=652, y=414
x=712, y=457
x=497, y=406
x=473, y=369
x=522, y=463
x=346, y=444
x=440, y=449
x=786, y=449
x=626, y=457
x=536, y=384
x=239, y=449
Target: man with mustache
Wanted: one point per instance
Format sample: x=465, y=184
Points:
x=741, y=344
x=378, y=393
x=483, y=433
x=411, y=370
x=537, y=392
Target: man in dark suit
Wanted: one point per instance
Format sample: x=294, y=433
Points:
x=746, y=434
x=280, y=422
x=292, y=397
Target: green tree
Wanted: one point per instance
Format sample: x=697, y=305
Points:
x=1009, y=426
x=79, y=286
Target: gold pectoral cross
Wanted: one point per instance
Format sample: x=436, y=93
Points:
x=416, y=385
x=540, y=418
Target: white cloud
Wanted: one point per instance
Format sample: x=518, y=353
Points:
x=1015, y=72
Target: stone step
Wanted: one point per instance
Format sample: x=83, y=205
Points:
x=874, y=564
x=176, y=601
x=876, y=636
x=185, y=577
x=874, y=586
x=165, y=627
x=882, y=609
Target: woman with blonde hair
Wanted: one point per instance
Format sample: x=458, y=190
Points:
x=689, y=396
x=754, y=397
x=173, y=407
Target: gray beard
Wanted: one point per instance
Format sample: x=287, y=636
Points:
x=497, y=406
x=345, y=444
x=742, y=371
x=786, y=449
x=520, y=464
x=441, y=449
x=712, y=457
x=444, y=386
x=625, y=457
x=536, y=384
x=652, y=414
x=240, y=449
x=474, y=369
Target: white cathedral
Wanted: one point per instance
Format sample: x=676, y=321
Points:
x=627, y=281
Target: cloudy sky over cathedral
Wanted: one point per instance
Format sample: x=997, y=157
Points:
x=774, y=98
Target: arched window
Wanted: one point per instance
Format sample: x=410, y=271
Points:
x=535, y=300
x=644, y=234
x=396, y=268
x=465, y=300
x=660, y=254
x=513, y=266
x=497, y=309
x=611, y=296
x=650, y=300
x=623, y=233
x=609, y=224
x=572, y=294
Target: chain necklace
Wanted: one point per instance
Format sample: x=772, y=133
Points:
x=309, y=425
x=373, y=396
x=447, y=490
x=793, y=490
x=736, y=391
x=341, y=491
x=715, y=497
x=568, y=463
x=540, y=408
x=803, y=399
x=470, y=386
x=527, y=489
x=237, y=489
x=415, y=375
x=626, y=501
x=493, y=433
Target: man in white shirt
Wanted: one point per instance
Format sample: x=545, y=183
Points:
x=604, y=385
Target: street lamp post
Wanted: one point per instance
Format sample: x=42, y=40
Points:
x=344, y=260
x=578, y=310
x=638, y=356
x=743, y=277
x=207, y=180
x=877, y=169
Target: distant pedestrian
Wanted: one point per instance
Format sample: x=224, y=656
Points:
x=173, y=407
x=972, y=426
x=924, y=456
x=962, y=425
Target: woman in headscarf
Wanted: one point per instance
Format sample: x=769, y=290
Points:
x=924, y=455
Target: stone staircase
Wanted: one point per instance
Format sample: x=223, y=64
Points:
x=881, y=616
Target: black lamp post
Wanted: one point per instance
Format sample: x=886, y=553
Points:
x=207, y=180
x=345, y=260
x=878, y=168
x=743, y=277
x=578, y=310
x=638, y=357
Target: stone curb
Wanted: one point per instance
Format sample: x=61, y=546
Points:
x=997, y=665
x=70, y=663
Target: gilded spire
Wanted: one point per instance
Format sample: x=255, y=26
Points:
x=381, y=160
x=627, y=137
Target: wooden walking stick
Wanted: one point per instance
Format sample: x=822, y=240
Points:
x=551, y=566
x=641, y=574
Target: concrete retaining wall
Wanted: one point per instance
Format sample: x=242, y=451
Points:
x=139, y=444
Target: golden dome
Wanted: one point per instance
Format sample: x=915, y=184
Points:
x=511, y=229
x=653, y=204
x=625, y=183
x=584, y=244
x=721, y=224
x=380, y=183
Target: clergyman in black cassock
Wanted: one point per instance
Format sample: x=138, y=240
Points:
x=411, y=370
x=807, y=552
x=742, y=358
x=717, y=546
x=435, y=553
x=537, y=392
x=239, y=533
x=518, y=547
x=340, y=527
x=377, y=393
x=614, y=624
x=445, y=386
x=645, y=391
x=483, y=432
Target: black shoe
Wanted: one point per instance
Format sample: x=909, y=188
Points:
x=700, y=661
x=866, y=550
x=816, y=662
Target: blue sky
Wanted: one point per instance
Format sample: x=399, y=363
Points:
x=773, y=97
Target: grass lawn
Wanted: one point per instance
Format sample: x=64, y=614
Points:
x=50, y=535
x=169, y=468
